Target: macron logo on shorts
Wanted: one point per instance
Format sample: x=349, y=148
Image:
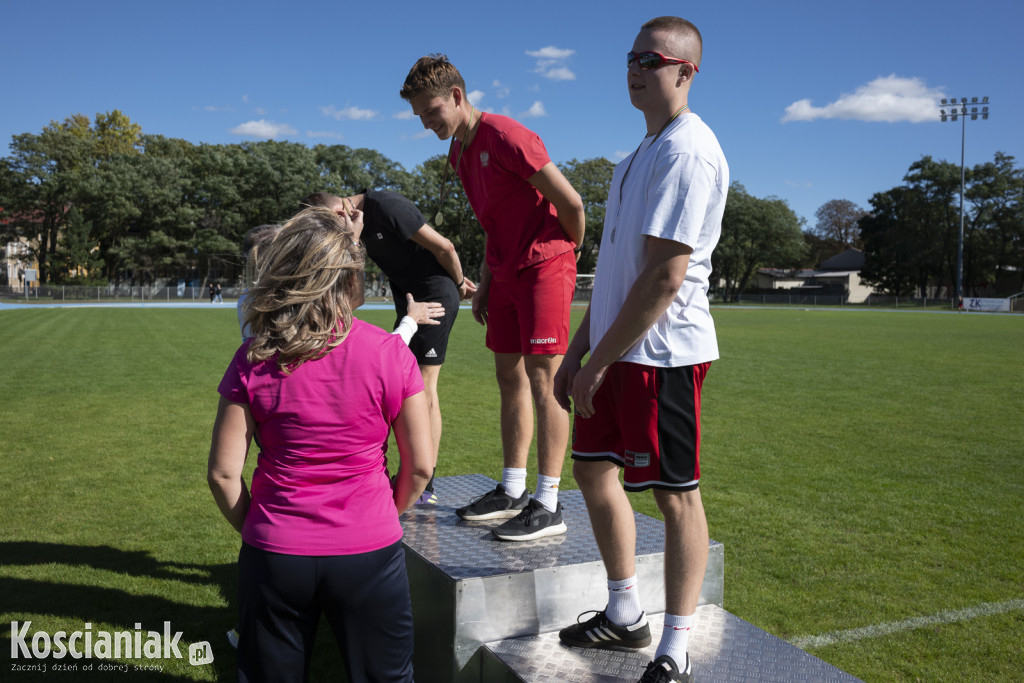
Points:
x=544, y=340
x=637, y=459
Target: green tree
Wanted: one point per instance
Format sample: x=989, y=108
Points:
x=756, y=233
x=994, y=237
x=460, y=224
x=77, y=259
x=894, y=259
x=591, y=178
x=48, y=174
x=911, y=238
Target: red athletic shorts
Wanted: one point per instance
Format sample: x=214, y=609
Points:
x=529, y=314
x=647, y=420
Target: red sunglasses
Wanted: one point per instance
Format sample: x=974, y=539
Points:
x=654, y=60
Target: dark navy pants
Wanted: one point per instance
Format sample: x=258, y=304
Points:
x=365, y=598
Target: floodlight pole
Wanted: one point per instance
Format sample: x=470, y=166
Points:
x=959, y=109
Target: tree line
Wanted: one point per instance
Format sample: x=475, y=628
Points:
x=98, y=201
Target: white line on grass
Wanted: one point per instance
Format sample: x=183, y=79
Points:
x=983, y=610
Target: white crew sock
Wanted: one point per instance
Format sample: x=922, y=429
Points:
x=514, y=480
x=547, y=492
x=675, y=637
x=623, y=602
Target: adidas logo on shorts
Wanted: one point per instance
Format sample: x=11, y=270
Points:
x=431, y=354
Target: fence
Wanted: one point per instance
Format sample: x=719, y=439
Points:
x=873, y=301
x=374, y=291
x=110, y=293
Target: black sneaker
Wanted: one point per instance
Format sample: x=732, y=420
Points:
x=599, y=631
x=494, y=504
x=533, y=522
x=663, y=670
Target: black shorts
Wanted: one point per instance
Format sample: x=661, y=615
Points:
x=430, y=343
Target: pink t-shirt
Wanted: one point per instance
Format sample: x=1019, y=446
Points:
x=321, y=484
x=522, y=226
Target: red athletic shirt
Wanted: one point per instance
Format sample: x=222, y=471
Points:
x=522, y=226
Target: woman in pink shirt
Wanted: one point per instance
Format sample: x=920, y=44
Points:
x=319, y=524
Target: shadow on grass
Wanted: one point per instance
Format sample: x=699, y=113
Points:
x=121, y=609
x=118, y=608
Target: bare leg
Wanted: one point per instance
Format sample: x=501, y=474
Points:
x=686, y=548
x=430, y=374
x=611, y=516
x=516, y=409
x=552, y=419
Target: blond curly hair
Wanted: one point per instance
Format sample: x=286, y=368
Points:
x=301, y=304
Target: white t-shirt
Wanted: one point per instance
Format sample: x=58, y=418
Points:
x=675, y=189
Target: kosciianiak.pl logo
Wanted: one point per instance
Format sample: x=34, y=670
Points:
x=40, y=651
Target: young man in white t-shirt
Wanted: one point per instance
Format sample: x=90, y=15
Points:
x=651, y=339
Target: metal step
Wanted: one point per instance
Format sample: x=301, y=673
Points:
x=469, y=588
x=723, y=647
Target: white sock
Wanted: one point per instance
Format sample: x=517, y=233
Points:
x=514, y=480
x=547, y=492
x=623, y=602
x=675, y=637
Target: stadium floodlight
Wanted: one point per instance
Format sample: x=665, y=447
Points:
x=959, y=110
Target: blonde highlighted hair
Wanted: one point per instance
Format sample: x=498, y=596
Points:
x=300, y=306
x=254, y=242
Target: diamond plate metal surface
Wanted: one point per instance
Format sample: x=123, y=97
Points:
x=464, y=550
x=723, y=647
x=469, y=588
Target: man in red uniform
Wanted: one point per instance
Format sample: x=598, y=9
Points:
x=533, y=223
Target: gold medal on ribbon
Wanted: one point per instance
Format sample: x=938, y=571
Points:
x=439, y=218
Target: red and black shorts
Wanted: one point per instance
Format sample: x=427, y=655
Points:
x=646, y=420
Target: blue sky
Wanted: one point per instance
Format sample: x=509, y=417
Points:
x=811, y=101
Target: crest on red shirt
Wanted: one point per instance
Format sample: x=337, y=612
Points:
x=485, y=158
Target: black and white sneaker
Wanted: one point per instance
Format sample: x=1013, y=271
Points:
x=599, y=631
x=535, y=521
x=494, y=504
x=664, y=670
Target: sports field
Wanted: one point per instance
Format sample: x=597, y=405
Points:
x=864, y=470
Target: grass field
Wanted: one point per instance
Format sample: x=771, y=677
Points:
x=861, y=468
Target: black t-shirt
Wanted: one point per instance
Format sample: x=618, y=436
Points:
x=389, y=222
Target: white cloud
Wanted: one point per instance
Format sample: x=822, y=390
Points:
x=474, y=97
x=211, y=107
x=620, y=155
x=245, y=99
x=536, y=110
x=404, y=115
x=503, y=90
x=551, y=63
x=324, y=134
x=423, y=134
x=260, y=111
x=551, y=52
x=887, y=98
x=351, y=113
x=263, y=129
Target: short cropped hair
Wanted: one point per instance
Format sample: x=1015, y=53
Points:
x=433, y=75
x=323, y=199
x=301, y=305
x=686, y=33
